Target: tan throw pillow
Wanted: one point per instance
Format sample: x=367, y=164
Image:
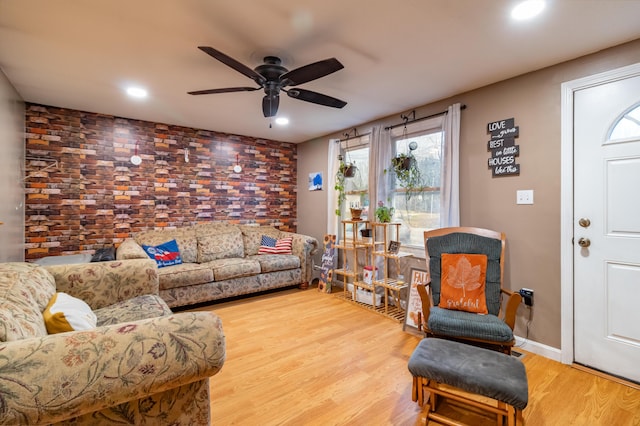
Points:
x=67, y=313
x=463, y=280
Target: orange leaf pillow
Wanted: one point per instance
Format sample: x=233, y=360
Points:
x=463, y=279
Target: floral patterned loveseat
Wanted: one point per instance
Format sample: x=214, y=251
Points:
x=141, y=364
x=221, y=260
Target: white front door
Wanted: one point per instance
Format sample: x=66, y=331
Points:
x=606, y=228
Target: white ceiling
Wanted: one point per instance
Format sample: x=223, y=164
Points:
x=397, y=54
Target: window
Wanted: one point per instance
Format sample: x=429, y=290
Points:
x=628, y=126
x=419, y=209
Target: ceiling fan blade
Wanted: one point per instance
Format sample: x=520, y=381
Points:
x=224, y=90
x=270, y=105
x=316, y=98
x=310, y=72
x=230, y=62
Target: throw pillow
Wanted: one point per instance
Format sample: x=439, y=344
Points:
x=270, y=245
x=165, y=254
x=67, y=313
x=463, y=281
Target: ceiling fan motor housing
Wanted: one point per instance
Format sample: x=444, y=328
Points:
x=269, y=76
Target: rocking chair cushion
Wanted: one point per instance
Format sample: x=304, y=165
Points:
x=465, y=324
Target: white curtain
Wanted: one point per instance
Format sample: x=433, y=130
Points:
x=332, y=196
x=450, y=169
x=379, y=159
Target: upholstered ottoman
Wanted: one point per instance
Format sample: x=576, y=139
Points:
x=436, y=362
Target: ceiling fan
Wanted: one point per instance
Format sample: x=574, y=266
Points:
x=273, y=78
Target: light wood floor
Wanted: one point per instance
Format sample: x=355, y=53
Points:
x=300, y=357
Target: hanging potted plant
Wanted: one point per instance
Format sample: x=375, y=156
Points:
x=345, y=170
x=349, y=170
x=405, y=167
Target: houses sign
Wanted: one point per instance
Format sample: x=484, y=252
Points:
x=503, y=147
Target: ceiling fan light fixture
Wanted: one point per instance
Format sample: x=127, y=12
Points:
x=282, y=121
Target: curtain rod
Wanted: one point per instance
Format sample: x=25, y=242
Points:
x=351, y=138
x=421, y=118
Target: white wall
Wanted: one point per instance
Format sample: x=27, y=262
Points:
x=11, y=172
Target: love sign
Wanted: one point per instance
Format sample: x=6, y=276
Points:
x=503, y=147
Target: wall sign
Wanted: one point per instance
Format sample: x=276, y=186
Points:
x=328, y=259
x=503, y=147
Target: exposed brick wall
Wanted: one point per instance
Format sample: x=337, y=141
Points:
x=96, y=197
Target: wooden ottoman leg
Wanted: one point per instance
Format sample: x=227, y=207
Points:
x=519, y=418
x=433, y=397
x=514, y=416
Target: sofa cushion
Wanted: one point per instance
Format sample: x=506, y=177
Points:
x=165, y=254
x=225, y=269
x=185, y=237
x=252, y=237
x=219, y=242
x=25, y=291
x=67, y=313
x=137, y=308
x=276, y=262
x=184, y=275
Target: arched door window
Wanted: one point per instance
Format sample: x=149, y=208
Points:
x=627, y=126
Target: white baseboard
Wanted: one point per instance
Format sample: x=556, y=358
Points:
x=538, y=349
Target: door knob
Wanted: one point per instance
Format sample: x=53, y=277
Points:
x=584, y=222
x=584, y=242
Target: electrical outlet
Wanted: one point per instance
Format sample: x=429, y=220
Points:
x=524, y=196
x=527, y=295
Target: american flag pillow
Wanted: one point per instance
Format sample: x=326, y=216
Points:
x=270, y=245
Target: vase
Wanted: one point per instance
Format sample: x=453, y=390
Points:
x=355, y=213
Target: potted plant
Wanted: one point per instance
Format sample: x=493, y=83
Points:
x=405, y=167
x=345, y=170
x=384, y=213
x=402, y=162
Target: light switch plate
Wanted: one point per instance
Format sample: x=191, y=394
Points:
x=524, y=196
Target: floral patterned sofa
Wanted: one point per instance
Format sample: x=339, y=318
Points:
x=222, y=260
x=141, y=364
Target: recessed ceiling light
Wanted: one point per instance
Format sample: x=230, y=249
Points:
x=136, y=92
x=282, y=121
x=527, y=9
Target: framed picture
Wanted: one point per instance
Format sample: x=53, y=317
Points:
x=394, y=247
x=414, y=303
x=315, y=181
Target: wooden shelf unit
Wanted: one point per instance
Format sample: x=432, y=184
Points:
x=373, y=250
x=382, y=233
x=350, y=246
